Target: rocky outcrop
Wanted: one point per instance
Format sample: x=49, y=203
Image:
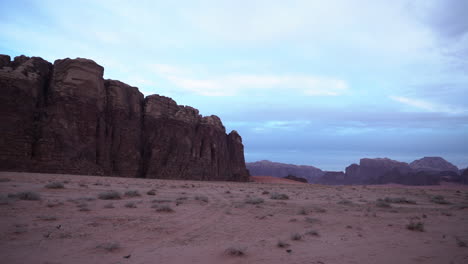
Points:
x=433, y=164
x=276, y=169
x=295, y=178
x=65, y=118
x=332, y=178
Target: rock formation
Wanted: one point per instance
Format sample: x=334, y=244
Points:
x=426, y=171
x=65, y=118
x=332, y=178
x=295, y=178
x=276, y=169
x=433, y=164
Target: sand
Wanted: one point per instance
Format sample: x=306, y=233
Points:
x=334, y=224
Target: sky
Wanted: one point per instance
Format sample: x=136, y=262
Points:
x=320, y=83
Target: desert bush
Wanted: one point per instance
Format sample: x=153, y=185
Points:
x=5, y=179
x=109, y=246
x=151, y=192
x=461, y=243
x=28, y=196
x=382, y=203
x=130, y=205
x=236, y=251
x=302, y=211
x=265, y=192
x=312, y=233
x=319, y=210
x=253, y=200
x=109, y=195
x=439, y=199
x=312, y=220
x=132, y=193
x=164, y=209
x=161, y=201
x=296, y=236
x=345, y=202
x=201, y=198
x=282, y=244
x=54, y=185
x=47, y=218
x=279, y=196
x=416, y=226
x=83, y=207
x=4, y=199
x=182, y=198
x=399, y=200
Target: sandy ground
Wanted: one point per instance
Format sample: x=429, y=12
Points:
x=333, y=224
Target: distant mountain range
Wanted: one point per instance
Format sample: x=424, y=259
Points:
x=425, y=171
x=276, y=169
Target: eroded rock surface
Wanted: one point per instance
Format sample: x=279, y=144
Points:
x=65, y=118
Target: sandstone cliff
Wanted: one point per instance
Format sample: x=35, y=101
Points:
x=65, y=118
x=276, y=169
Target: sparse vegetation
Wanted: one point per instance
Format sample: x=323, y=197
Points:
x=302, y=211
x=27, y=196
x=439, y=199
x=253, y=200
x=282, y=244
x=110, y=195
x=5, y=179
x=461, y=243
x=296, y=236
x=132, y=193
x=398, y=200
x=47, y=218
x=279, y=196
x=415, y=226
x=130, y=205
x=201, y=198
x=163, y=208
x=382, y=203
x=54, y=185
x=151, y=192
x=109, y=246
x=236, y=251
x=345, y=202
x=312, y=233
x=161, y=201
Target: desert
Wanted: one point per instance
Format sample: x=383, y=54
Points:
x=178, y=221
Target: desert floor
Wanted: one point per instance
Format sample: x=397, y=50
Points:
x=213, y=221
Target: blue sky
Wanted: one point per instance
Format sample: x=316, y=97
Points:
x=322, y=83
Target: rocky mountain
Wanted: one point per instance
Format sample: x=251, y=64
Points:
x=65, y=118
x=276, y=169
x=433, y=164
x=426, y=171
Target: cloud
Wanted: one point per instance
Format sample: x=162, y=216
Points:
x=239, y=83
x=429, y=106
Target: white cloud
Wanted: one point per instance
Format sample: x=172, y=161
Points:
x=239, y=83
x=429, y=106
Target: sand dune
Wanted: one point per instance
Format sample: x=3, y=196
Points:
x=332, y=224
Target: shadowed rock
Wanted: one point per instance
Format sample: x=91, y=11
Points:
x=65, y=118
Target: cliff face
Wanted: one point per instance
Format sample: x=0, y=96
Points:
x=268, y=168
x=433, y=164
x=65, y=118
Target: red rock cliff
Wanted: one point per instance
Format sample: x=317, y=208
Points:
x=65, y=118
